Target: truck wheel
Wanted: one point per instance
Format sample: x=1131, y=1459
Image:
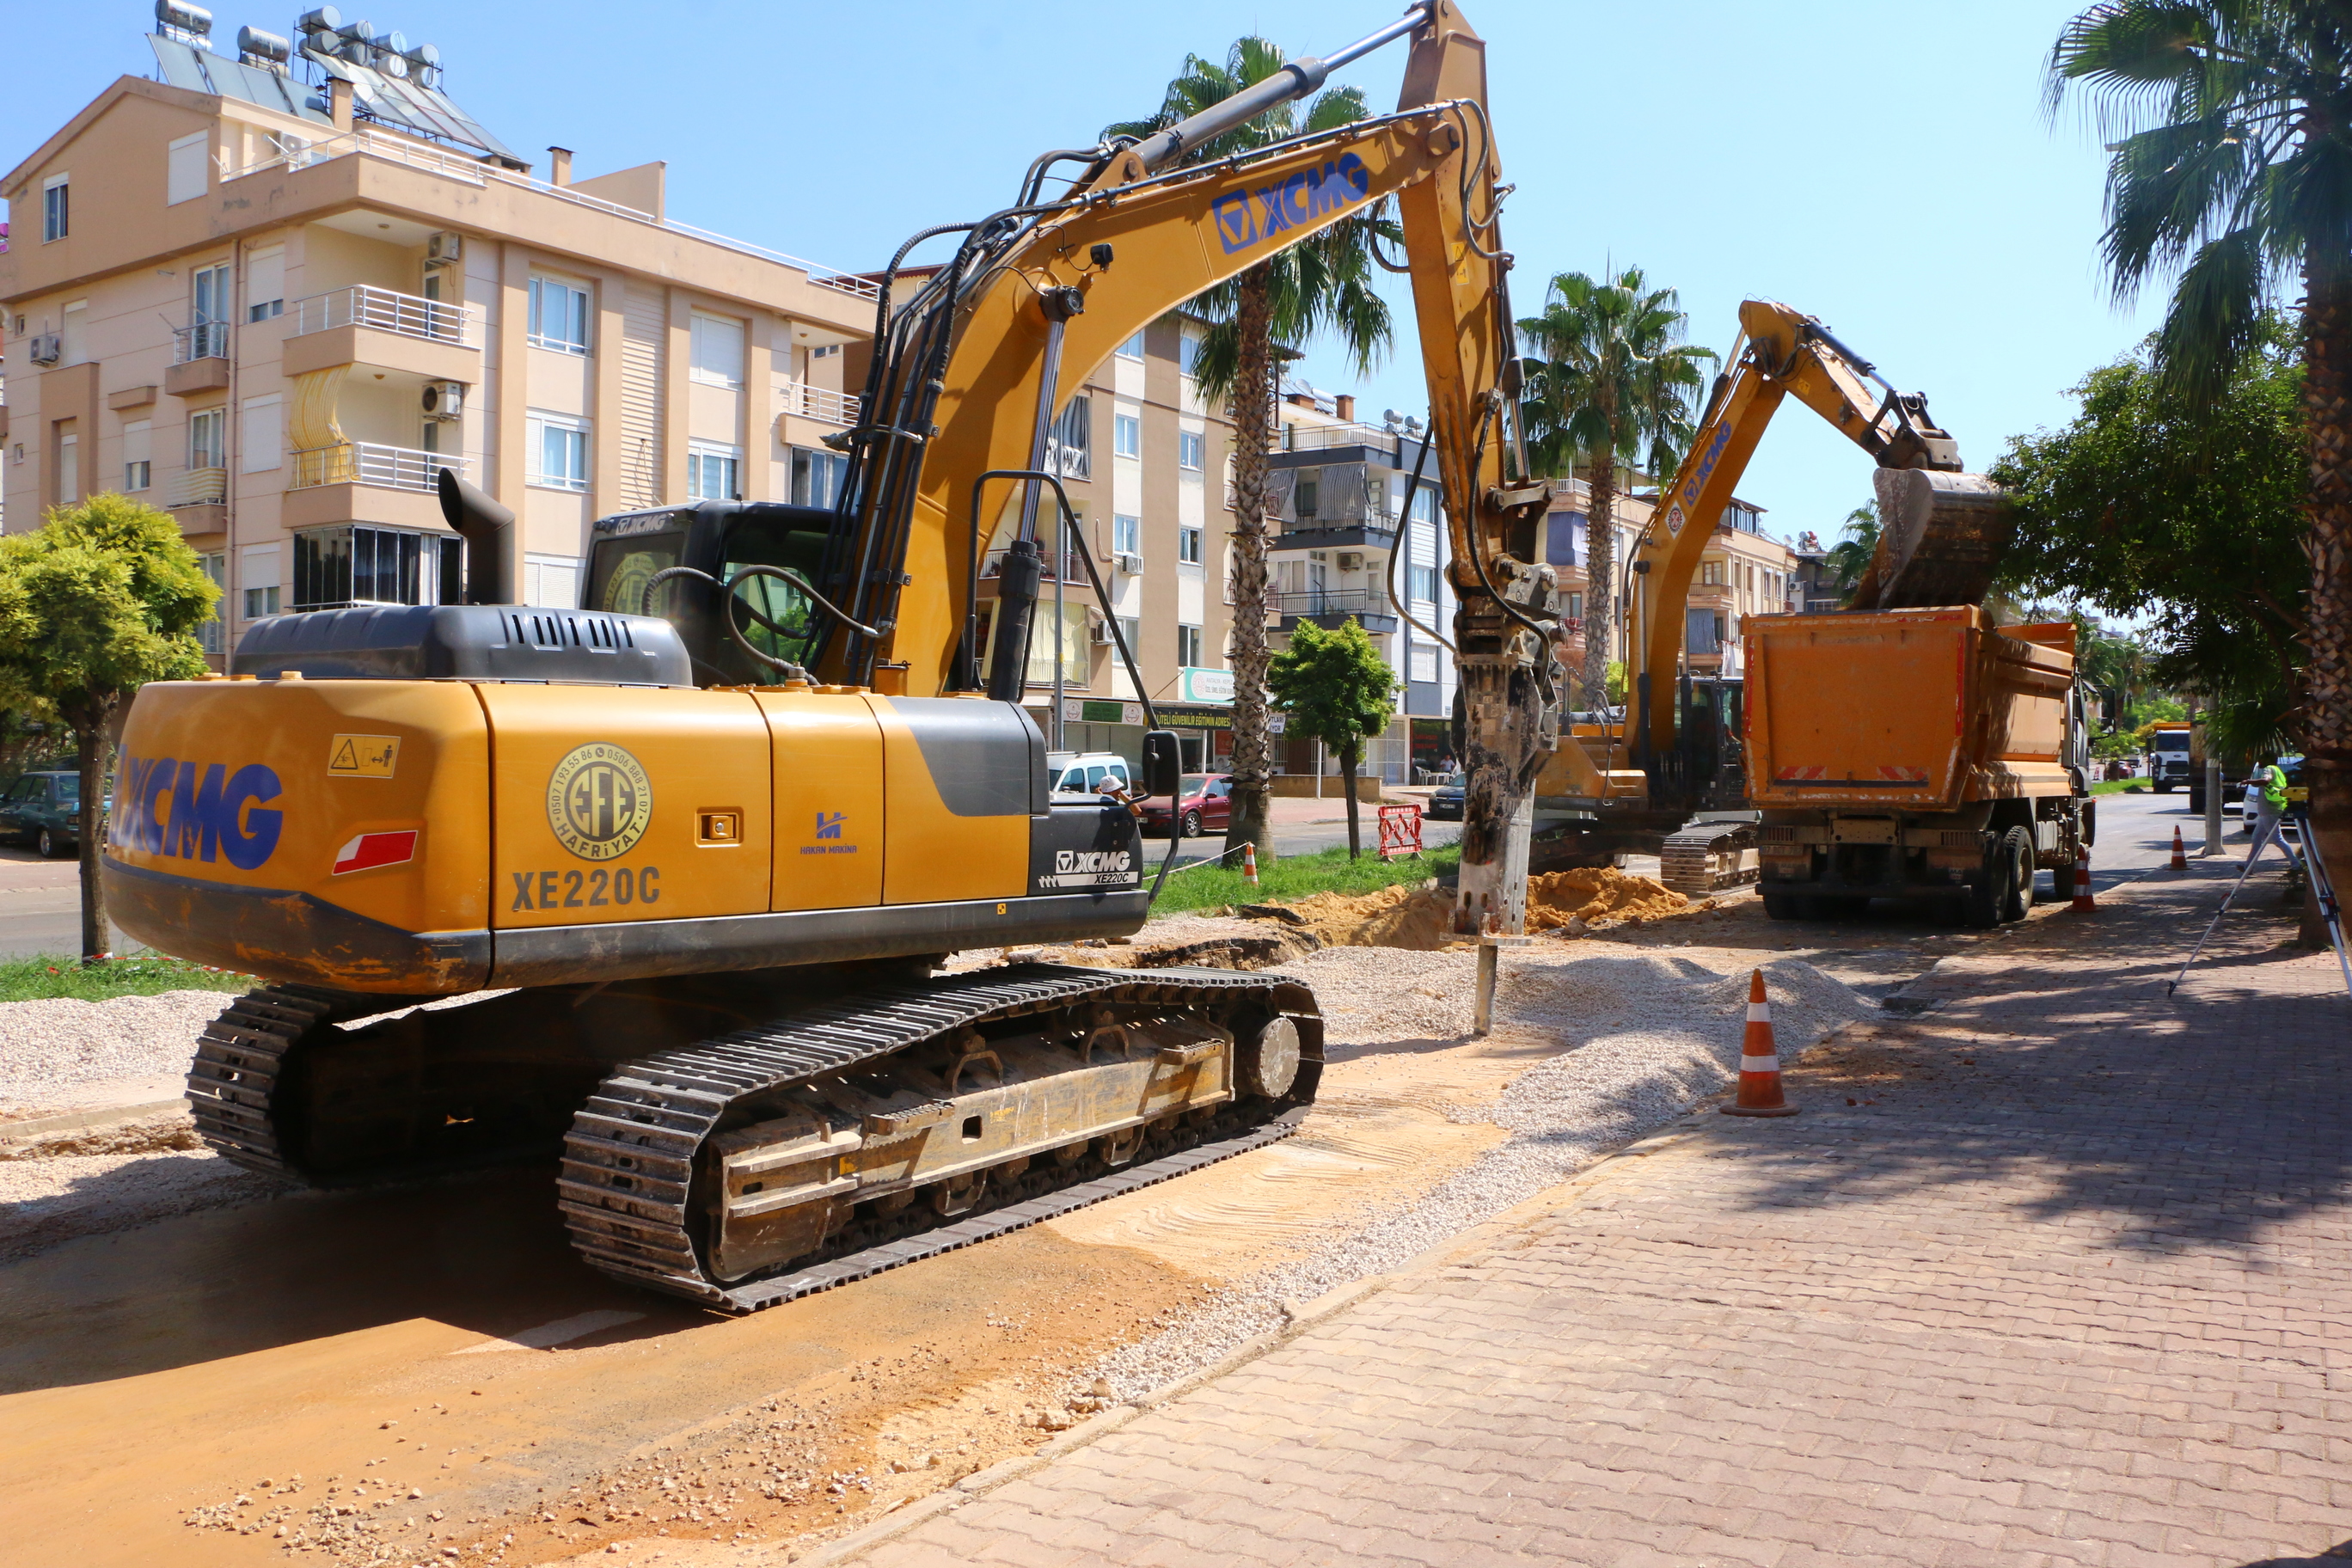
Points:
x=1783, y=906
x=2017, y=848
x=2164, y=789
x=1986, y=904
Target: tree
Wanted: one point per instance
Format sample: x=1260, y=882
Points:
x=2154, y=502
x=2231, y=122
x=1338, y=690
x=1849, y=557
x=1608, y=381
x=1324, y=284
x=100, y=599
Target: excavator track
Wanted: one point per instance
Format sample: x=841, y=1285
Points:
x=630, y=1187
x=1708, y=856
x=234, y=1079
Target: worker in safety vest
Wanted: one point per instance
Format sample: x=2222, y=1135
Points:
x=2271, y=806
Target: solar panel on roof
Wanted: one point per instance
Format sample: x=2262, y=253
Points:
x=426, y=111
x=195, y=71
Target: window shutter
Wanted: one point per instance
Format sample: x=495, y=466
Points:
x=187, y=171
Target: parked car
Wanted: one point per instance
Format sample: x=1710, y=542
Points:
x=1446, y=800
x=1207, y=804
x=43, y=810
x=1084, y=773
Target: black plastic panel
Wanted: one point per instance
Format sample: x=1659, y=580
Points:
x=467, y=642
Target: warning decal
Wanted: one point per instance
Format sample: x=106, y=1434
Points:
x=363, y=756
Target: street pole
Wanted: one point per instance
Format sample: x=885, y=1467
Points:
x=2212, y=804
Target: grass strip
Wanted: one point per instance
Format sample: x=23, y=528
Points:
x=1293, y=878
x=2120, y=786
x=45, y=977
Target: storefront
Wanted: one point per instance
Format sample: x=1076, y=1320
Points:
x=1201, y=714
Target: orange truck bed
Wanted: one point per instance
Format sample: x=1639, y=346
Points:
x=1912, y=711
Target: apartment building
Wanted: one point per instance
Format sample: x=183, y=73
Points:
x=1144, y=459
x=1744, y=571
x=276, y=290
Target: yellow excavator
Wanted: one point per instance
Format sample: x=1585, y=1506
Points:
x=1646, y=785
x=661, y=885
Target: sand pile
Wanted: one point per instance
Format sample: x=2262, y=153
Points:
x=1594, y=895
x=1418, y=919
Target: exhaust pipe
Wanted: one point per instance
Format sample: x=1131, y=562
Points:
x=486, y=527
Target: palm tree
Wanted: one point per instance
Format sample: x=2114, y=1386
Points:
x=2230, y=125
x=1320, y=285
x=1849, y=558
x=1609, y=382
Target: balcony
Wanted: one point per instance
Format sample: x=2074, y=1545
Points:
x=199, y=359
x=1375, y=531
x=1329, y=607
x=199, y=486
x=430, y=338
x=366, y=481
x=466, y=171
x=1331, y=438
x=382, y=311
x=821, y=403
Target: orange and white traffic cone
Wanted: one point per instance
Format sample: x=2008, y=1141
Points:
x=1759, y=1060
x=2084, y=903
x=2180, y=852
x=1249, y=863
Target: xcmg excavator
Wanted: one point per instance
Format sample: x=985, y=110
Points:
x=1637, y=787
x=664, y=893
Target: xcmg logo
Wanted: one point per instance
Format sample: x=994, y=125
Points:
x=198, y=810
x=1246, y=218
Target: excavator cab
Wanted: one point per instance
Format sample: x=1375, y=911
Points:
x=716, y=538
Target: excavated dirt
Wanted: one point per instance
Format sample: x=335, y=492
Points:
x=1418, y=919
x=1583, y=899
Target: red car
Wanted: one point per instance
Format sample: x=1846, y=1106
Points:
x=1207, y=804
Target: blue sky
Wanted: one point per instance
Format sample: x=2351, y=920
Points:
x=1887, y=169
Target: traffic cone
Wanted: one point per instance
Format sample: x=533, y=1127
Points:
x=2084, y=903
x=2180, y=852
x=1249, y=863
x=1759, y=1060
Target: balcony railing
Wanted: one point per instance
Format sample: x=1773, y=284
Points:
x=364, y=305
x=372, y=463
x=473, y=171
x=199, y=486
x=1324, y=437
x=1318, y=602
x=820, y=402
x=199, y=340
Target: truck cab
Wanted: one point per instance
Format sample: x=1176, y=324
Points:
x=2169, y=764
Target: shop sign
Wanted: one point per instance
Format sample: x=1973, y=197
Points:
x=1206, y=685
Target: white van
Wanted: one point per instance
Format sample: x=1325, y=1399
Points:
x=1083, y=772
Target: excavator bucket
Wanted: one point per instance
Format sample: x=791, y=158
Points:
x=1941, y=537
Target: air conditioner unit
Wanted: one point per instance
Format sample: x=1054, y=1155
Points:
x=444, y=247
x=444, y=401
x=1099, y=635
x=1130, y=564
x=48, y=348
x=1351, y=561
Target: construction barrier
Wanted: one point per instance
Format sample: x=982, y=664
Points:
x=1399, y=831
x=1760, y=1060
x=2180, y=852
x=1249, y=863
x=2084, y=903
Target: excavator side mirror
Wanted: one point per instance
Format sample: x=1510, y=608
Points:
x=1163, y=764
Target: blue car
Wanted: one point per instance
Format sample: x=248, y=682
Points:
x=1446, y=800
x=43, y=810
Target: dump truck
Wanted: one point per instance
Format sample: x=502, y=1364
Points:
x=1920, y=753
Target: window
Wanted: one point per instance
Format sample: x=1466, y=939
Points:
x=1562, y=532
x=138, y=454
x=260, y=579
x=265, y=284
x=556, y=449
x=356, y=564
x=1068, y=449
x=74, y=341
x=1188, y=545
x=552, y=581
x=1309, y=493
x=718, y=351
x=53, y=208
x=216, y=572
x=187, y=168
x=1133, y=347
x=712, y=471
x=558, y=316
x=1420, y=584
x=1125, y=534
x=1131, y=628
x=262, y=446
x=817, y=476
x=1127, y=435
x=1710, y=574
x=1188, y=352
x=69, y=468
x=1424, y=663
x=208, y=438
x=1191, y=450
x=1188, y=648
x=1575, y=607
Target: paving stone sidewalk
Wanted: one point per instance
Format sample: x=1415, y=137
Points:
x=2057, y=1272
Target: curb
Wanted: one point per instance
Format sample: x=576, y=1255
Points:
x=75, y=1121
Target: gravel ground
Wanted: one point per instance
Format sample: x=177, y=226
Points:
x=44, y=1202
x=1647, y=1036
x=51, y=1050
